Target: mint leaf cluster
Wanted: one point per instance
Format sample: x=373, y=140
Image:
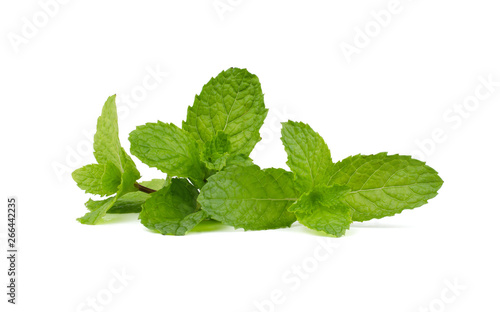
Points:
x=115, y=172
x=209, y=174
x=358, y=188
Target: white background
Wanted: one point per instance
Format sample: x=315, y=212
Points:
x=407, y=81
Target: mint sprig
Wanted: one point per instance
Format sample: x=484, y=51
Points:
x=209, y=174
x=372, y=186
x=114, y=173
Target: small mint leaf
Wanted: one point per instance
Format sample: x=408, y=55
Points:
x=322, y=209
x=173, y=209
x=98, y=179
x=216, y=152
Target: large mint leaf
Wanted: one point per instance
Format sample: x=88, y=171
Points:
x=322, y=209
x=232, y=102
x=308, y=155
x=168, y=148
x=250, y=198
x=384, y=185
x=173, y=209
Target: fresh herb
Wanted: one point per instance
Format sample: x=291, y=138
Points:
x=209, y=174
x=114, y=173
x=360, y=187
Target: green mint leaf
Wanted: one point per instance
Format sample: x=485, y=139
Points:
x=98, y=179
x=217, y=164
x=232, y=102
x=130, y=202
x=99, y=211
x=250, y=198
x=216, y=152
x=383, y=185
x=322, y=209
x=308, y=155
x=115, y=171
x=168, y=148
x=107, y=147
x=173, y=209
